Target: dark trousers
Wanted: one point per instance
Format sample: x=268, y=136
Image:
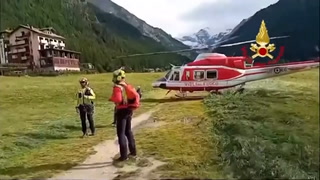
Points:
x=115, y=115
x=124, y=117
x=86, y=112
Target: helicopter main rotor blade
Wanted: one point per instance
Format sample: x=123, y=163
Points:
x=161, y=52
x=210, y=48
x=245, y=42
x=155, y=53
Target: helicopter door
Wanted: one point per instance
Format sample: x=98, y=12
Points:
x=175, y=76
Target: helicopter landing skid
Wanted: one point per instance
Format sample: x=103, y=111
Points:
x=181, y=95
x=240, y=89
x=216, y=92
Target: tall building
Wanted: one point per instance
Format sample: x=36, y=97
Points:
x=41, y=48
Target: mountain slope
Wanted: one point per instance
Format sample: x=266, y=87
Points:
x=203, y=37
x=298, y=19
x=157, y=34
x=98, y=35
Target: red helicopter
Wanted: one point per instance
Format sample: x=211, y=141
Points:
x=212, y=72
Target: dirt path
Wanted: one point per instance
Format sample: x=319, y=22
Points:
x=100, y=165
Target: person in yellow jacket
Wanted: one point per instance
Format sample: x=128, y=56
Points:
x=85, y=106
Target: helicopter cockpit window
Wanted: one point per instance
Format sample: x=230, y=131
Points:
x=175, y=76
x=198, y=75
x=167, y=75
x=212, y=74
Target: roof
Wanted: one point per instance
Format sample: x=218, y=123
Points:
x=36, y=30
x=49, y=29
x=6, y=31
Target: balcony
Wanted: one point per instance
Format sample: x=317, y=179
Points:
x=19, y=43
x=17, y=51
x=25, y=58
x=22, y=36
x=25, y=39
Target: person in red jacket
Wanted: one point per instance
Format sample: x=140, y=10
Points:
x=123, y=115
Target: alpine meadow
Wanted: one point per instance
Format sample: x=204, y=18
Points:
x=267, y=130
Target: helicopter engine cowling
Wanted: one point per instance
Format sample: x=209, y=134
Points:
x=233, y=62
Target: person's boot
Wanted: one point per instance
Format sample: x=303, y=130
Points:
x=114, y=124
x=132, y=155
x=121, y=159
x=84, y=135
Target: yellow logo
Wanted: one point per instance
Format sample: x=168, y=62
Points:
x=262, y=39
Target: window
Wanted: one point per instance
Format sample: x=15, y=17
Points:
x=22, y=33
x=198, y=75
x=175, y=76
x=167, y=76
x=212, y=74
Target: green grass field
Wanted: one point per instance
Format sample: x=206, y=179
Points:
x=181, y=139
x=40, y=129
x=271, y=130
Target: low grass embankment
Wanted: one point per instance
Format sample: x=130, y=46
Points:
x=39, y=128
x=179, y=135
x=269, y=133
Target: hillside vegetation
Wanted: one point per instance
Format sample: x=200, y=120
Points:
x=99, y=36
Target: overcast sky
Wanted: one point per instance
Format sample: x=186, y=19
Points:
x=184, y=17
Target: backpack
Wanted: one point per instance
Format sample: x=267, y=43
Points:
x=133, y=98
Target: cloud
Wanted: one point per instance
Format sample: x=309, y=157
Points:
x=223, y=14
x=183, y=17
x=163, y=13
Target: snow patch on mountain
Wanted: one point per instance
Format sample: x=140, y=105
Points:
x=204, y=37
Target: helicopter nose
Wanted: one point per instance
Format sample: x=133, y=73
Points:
x=159, y=83
x=156, y=84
